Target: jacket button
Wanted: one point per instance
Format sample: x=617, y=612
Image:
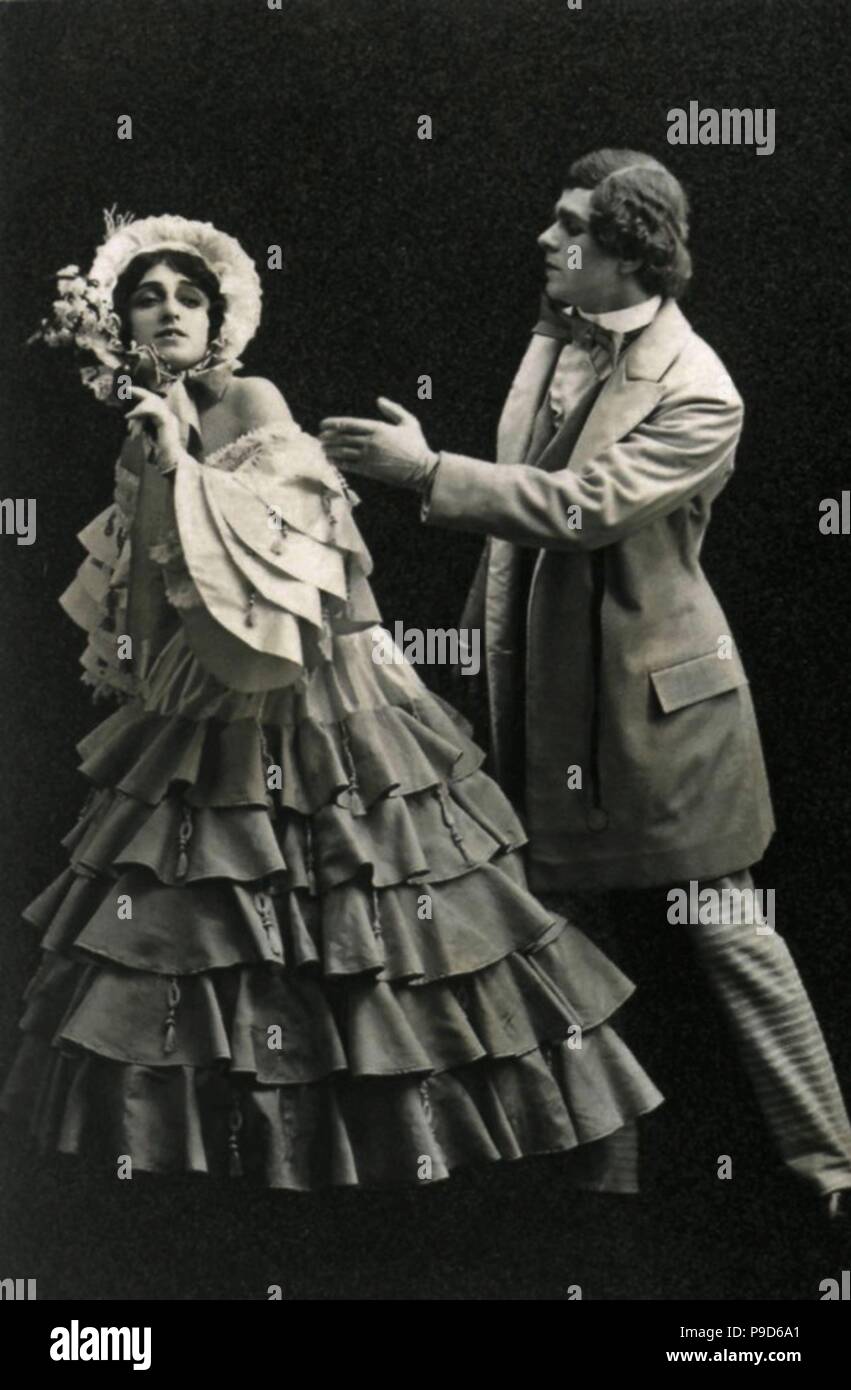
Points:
x=597, y=818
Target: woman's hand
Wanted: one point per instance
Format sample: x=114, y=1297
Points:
x=153, y=413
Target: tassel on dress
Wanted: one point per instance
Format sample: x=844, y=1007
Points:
x=376, y=915
x=449, y=821
x=268, y=920
x=348, y=757
x=184, y=835
x=170, y=1026
x=327, y=500
x=309, y=861
x=235, y=1169
x=281, y=527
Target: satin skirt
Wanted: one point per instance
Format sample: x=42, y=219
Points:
x=293, y=943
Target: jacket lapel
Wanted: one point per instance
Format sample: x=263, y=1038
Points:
x=524, y=398
x=523, y=431
x=629, y=395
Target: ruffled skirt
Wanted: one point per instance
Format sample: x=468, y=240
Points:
x=294, y=943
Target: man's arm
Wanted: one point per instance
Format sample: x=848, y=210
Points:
x=669, y=458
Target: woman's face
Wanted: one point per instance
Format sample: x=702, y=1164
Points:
x=173, y=314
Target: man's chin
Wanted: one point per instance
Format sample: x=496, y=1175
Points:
x=559, y=296
x=557, y=289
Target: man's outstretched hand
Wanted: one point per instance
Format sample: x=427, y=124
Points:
x=394, y=453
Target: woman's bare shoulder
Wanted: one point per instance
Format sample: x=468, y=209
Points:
x=256, y=401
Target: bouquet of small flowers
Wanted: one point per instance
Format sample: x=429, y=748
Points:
x=83, y=319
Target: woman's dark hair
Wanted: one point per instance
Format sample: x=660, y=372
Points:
x=183, y=263
x=639, y=211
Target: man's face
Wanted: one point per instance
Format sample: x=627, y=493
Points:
x=599, y=284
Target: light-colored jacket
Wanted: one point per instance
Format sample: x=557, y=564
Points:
x=615, y=666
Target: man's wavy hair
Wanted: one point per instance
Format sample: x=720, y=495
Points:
x=639, y=211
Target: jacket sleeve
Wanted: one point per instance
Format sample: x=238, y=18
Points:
x=263, y=560
x=671, y=456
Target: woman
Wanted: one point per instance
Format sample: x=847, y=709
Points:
x=294, y=939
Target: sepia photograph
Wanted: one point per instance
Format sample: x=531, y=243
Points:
x=425, y=666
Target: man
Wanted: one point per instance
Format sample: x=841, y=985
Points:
x=621, y=716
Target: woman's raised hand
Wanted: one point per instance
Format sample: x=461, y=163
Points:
x=153, y=413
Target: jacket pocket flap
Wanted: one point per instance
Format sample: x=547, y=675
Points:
x=698, y=679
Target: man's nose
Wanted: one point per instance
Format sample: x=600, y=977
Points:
x=546, y=240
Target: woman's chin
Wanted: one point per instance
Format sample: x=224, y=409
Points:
x=177, y=357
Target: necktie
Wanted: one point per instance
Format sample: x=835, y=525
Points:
x=584, y=365
x=602, y=345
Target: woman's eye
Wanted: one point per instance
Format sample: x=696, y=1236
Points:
x=145, y=301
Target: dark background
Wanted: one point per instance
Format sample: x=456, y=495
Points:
x=402, y=257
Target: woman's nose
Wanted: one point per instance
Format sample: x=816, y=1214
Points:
x=545, y=240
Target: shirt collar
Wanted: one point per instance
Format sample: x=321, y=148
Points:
x=626, y=320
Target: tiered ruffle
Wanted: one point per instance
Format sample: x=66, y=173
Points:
x=294, y=941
